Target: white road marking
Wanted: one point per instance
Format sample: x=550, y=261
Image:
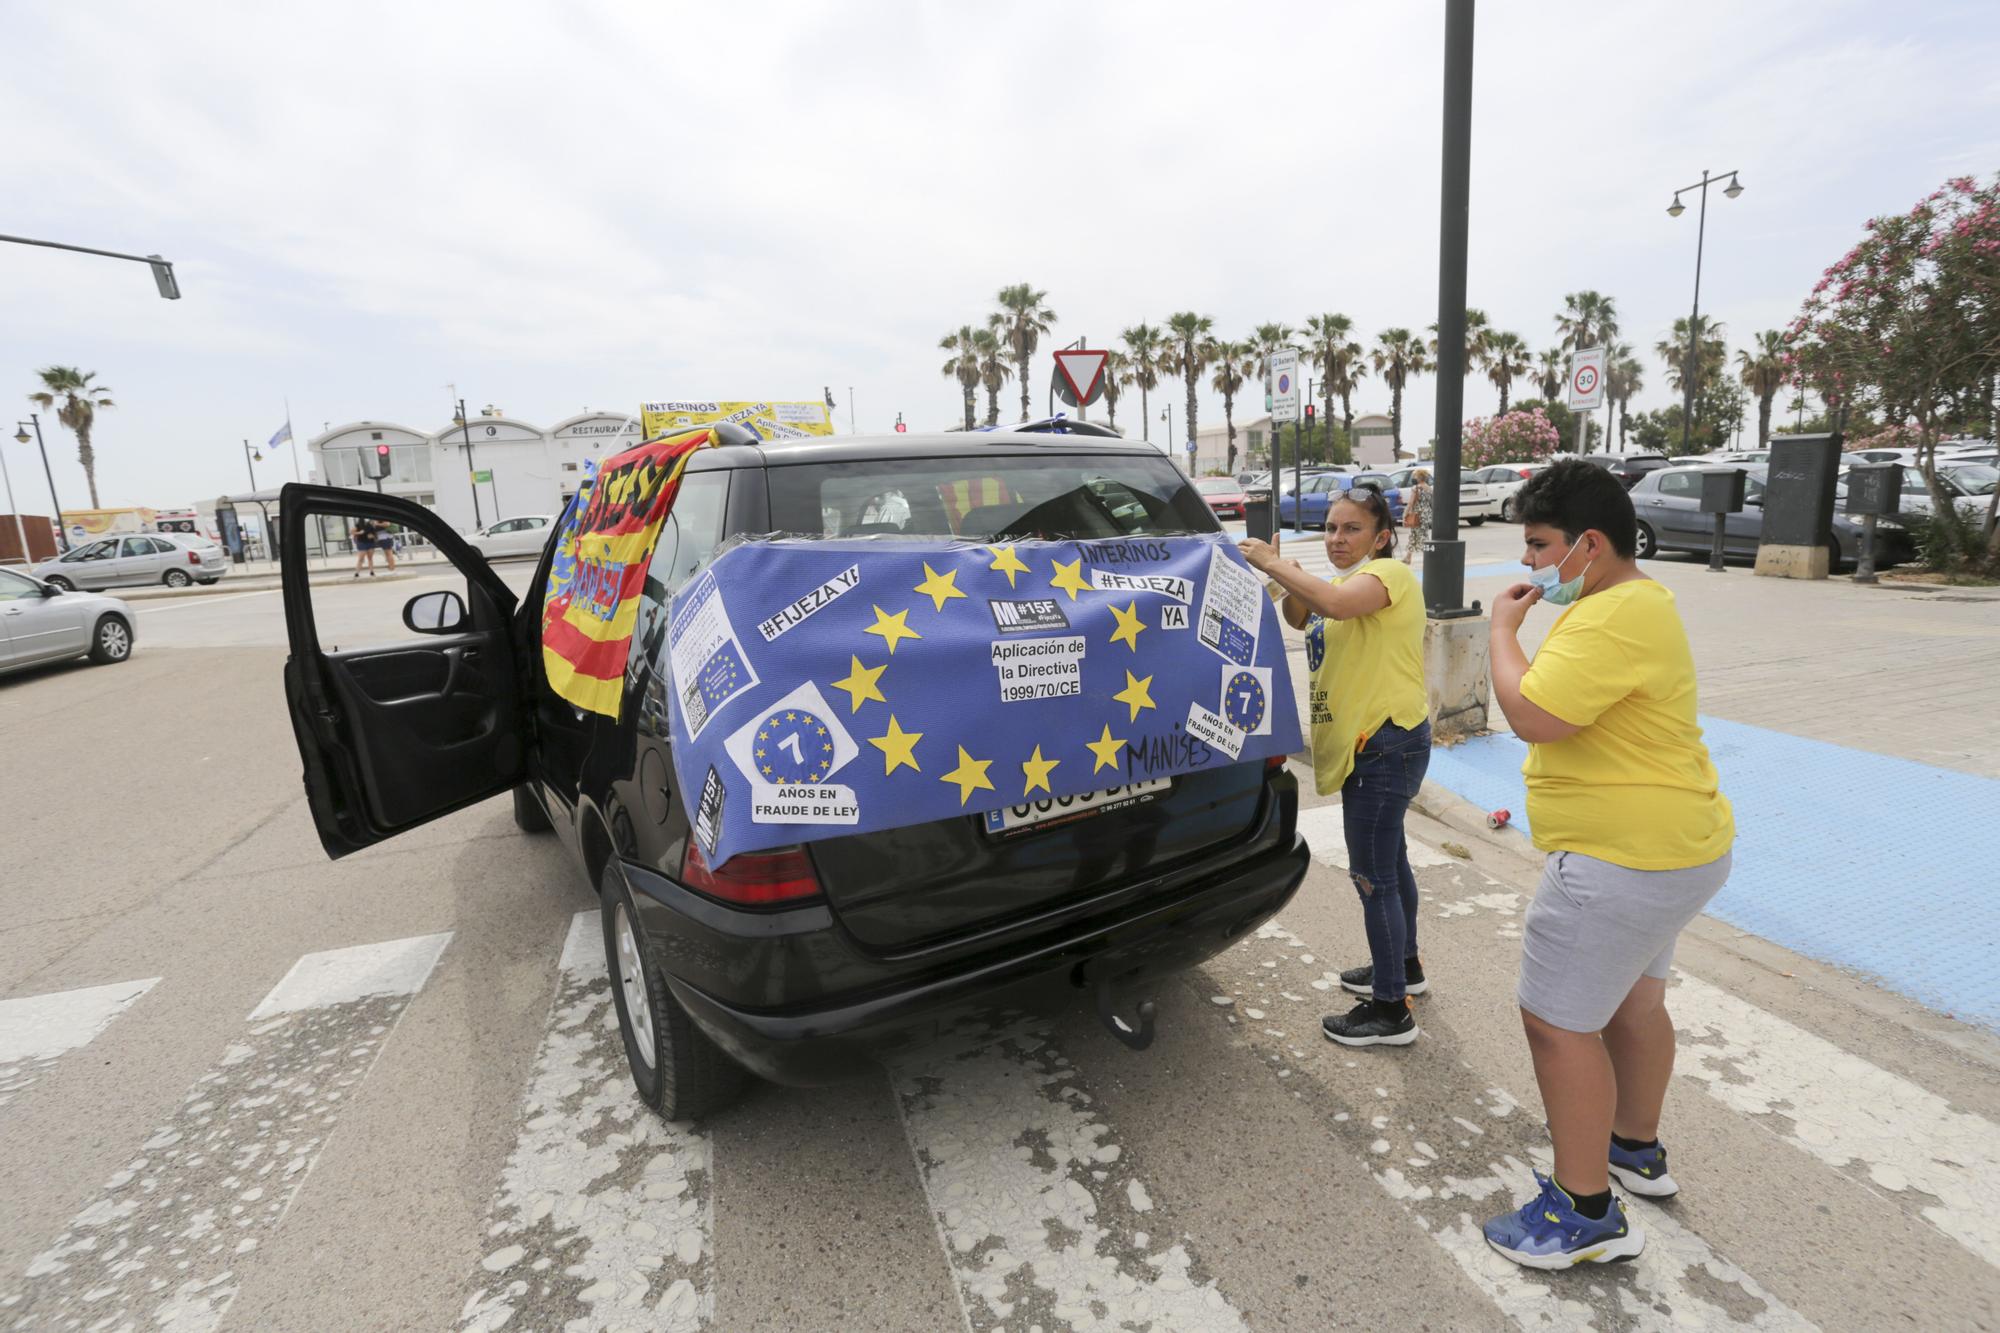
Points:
x=1039, y=1211
x=1321, y=828
x=206, y=600
x=1459, y=1161
x=38, y=1030
x=1845, y=1111
x=605, y=1212
x=340, y=976
x=161, y=1245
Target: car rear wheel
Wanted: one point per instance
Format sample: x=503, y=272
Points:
x=176, y=578
x=677, y=1070
x=58, y=581
x=111, y=641
x=529, y=817
x=1507, y=510
x=1649, y=545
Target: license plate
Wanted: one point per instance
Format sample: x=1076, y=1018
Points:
x=1015, y=818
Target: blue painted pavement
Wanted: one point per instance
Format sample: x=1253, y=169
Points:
x=1857, y=859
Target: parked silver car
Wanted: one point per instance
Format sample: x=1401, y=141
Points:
x=40, y=622
x=176, y=559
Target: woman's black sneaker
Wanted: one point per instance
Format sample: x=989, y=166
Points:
x=1361, y=980
x=1372, y=1024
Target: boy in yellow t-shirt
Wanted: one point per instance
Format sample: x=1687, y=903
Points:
x=1625, y=802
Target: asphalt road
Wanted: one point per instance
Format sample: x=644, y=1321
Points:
x=242, y=1084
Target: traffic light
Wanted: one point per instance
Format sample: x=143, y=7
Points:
x=1311, y=412
x=376, y=465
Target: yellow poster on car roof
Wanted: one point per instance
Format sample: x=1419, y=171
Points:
x=770, y=419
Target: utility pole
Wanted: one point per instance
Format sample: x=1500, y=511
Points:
x=1444, y=557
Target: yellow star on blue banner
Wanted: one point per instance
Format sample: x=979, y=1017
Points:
x=1129, y=626
x=940, y=588
x=893, y=629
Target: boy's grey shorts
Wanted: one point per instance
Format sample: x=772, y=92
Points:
x=1595, y=928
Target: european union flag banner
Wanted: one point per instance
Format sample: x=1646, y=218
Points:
x=822, y=688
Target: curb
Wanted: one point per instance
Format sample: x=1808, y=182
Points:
x=148, y=593
x=1462, y=816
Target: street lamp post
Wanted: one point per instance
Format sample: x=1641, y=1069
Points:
x=1444, y=554
x=1168, y=417
x=471, y=473
x=250, y=457
x=21, y=435
x=1690, y=370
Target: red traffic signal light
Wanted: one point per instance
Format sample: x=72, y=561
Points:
x=378, y=466
x=1311, y=412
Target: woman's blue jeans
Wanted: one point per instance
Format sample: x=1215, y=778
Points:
x=1387, y=774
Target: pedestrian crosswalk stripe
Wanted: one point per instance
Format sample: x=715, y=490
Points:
x=1845, y=1111
x=1461, y=1158
x=605, y=1212
x=38, y=1030
x=163, y=1242
x=1044, y=1218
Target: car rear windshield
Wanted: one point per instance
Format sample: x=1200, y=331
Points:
x=985, y=497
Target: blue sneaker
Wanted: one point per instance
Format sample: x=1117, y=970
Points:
x=1644, y=1172
x=1550, y=1233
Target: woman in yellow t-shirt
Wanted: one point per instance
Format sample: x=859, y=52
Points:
x=1371, y=740
x=1623, y=798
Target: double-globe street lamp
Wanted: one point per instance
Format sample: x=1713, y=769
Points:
x=21, y=437
x=1691, y=370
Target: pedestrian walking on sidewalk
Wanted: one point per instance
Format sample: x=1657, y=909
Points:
x=363, y=531
x=1417, y=512
x=1371, y=740
x=1623, y=799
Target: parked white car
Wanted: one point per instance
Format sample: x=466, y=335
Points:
x=176, y=559
x=511, y=538
x=1476, y=499
x=41, y=622
x=1503, y=480
x=1970, y=486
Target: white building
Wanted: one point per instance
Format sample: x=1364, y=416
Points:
x=475, y=472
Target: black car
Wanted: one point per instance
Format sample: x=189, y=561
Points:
x=797, y=964
x=1668, y=505
x=1628, y=468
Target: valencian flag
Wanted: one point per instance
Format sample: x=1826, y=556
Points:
x=599, y=569
x=825, y=687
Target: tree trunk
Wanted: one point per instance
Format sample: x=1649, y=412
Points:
x=971, y=406
x=1229, y=420
x=1504, y=383
x=1145, y=416
x=1347, y=416
x=1193, y=385
x=1764, y=418
x=86, y=456
x=993, y=406
x=1021, y=369
x=1111, y=409
x=1396, y=421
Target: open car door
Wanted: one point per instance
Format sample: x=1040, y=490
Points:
x=419, y=721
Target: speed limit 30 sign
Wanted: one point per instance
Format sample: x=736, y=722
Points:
x=1586, y=379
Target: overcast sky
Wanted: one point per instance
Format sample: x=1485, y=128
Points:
x=560, y=207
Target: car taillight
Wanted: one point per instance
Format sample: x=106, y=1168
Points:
x=193, y=559
x=1274, y=763
x=752, y=878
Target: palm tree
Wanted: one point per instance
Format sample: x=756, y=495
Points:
x=1478, y=333
x=963, y=366
x=1346, y=367
x=1551, y=368
x=993, y=371
x=1763, y=374
x=1190, y=358
x=1674, y=351
x=1235, y=363
x=1324, y=336
x=1622, y=379
x=1507, y=359
x=1144, y=344
x=1588, y=319
x=1027, y=319
x=75, y=400
x=1117, y=374
x=1398, y=355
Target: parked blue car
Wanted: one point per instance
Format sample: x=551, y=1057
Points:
x=1322, y=490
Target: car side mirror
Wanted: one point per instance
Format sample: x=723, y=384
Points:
x=51, y=590
x=435, y=613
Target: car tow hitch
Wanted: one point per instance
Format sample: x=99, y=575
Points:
x=1138, y=1034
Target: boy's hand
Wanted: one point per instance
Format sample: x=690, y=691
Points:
x=1510, y=608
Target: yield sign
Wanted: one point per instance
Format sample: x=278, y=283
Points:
x=1082, y=374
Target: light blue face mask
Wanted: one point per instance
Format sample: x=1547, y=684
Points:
x=1557, y=591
